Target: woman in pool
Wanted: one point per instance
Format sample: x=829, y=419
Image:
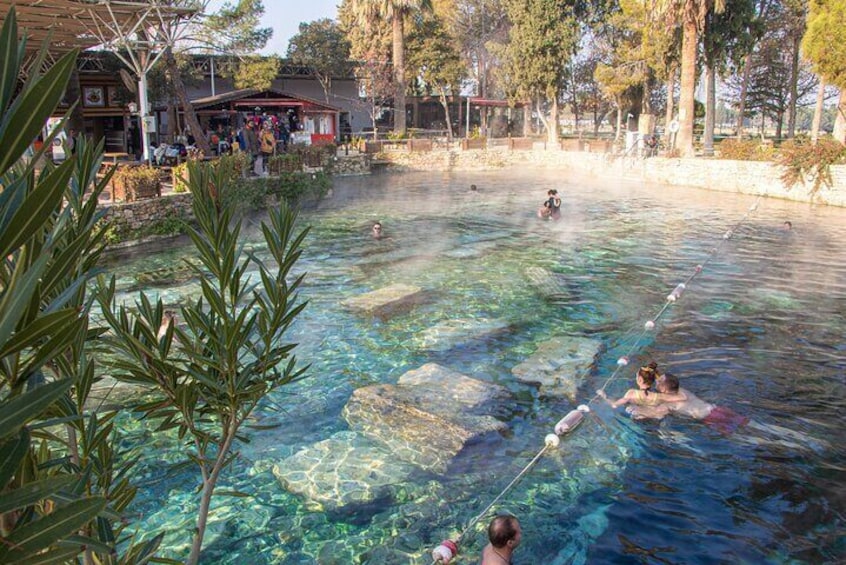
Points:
x=642, y=396
x=551, y=207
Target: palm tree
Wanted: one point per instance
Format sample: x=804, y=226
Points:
x=691, y=15
x=394, y=11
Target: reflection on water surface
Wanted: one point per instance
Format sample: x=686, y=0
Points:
x=761, y=331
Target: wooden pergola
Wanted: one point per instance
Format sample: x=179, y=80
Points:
x=83, y=24
x=136, y=31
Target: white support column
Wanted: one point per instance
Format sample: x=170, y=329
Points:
x=143, y=106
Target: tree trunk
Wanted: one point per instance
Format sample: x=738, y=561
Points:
x=684, y=140
x=445, y=105
x=779, y=125
x=840, y=120
x=187, y=108
x=618, y=129
x=552, y=127
x=794, y=79
x=527, y=120
x=73, y=94
x=710, y=109
x=575, y=101
x=668, y=116
x=541, y=117
x=744, y=88
x=818, y=110
x=399, y=73
x=646, y=102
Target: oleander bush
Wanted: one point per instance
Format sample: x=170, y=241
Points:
x=745, y=150
x=805, y=162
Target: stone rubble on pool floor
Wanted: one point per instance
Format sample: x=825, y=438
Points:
x=559, y=365
x=385, y=301
x=455, y=332
x=422, y=422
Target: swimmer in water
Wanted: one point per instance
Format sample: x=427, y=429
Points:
x=642, y=396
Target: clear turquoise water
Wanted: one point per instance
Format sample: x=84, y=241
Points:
x=761, y=331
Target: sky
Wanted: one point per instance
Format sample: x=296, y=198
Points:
x=284, y=16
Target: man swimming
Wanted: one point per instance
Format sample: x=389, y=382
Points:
x=725, y=420
x=641, y=396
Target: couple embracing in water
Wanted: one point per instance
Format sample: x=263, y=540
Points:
x=551, y=207
x=669, y=398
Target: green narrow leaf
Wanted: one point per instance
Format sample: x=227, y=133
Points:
x=42, y=533
x=34, y=332
x=12, y=451
x=27, y=114
x=30, y=493
x=235, y=493
x=59, y=555
x=9, y=60
x=15, y=413
x=30, y=218
x=18, y=294
x=89, y=543
x=142, y=553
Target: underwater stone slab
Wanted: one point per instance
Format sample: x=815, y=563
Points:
x=549, y=285
x=559, y=364
x=451, y=333
x=451, y=388
x=343, y=471
x=385, y=301
x=427, y=424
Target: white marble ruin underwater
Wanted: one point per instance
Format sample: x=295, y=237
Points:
x=426, y=420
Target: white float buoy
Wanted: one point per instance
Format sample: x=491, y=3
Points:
x=445, y=552
x=573, y=418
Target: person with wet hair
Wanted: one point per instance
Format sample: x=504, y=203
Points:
x=504, y=534
x=551, y=207
x=725, y=420
x=376, y=230
x=641, y=396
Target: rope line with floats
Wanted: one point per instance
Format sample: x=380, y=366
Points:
x=448, y=548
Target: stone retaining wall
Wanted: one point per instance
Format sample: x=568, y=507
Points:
x=746, y=177
x=132, y=216
x=348, y=165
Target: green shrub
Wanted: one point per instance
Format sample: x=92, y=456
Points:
x=804, y=161
x=745, y=150
x=180, y=176
x=249, y=194
x=173, y=223
x=287, y=162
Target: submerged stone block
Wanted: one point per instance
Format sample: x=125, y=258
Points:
x=346, y=470
x=549, y=285
x=426, y=419
x=385, y=301
x=452, y=333
x=559, y=364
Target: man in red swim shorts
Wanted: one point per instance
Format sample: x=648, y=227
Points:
x=724, y=420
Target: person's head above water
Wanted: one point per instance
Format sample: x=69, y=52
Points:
x=473, y=187
x=504, y=532
x=668, y=383
x=788, y=225
x=377, y=229
x=648, y=374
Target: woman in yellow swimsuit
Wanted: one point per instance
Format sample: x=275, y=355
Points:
x=641, y=395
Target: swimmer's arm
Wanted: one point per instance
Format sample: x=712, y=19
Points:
x=616, y=403
x=674, y=397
